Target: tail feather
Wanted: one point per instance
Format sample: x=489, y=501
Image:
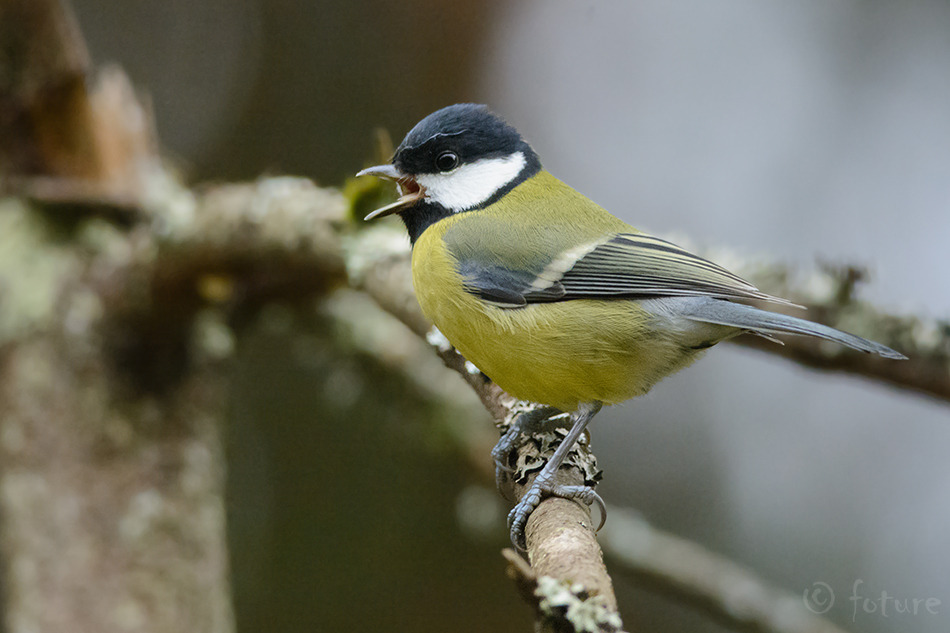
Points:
x=766, y=323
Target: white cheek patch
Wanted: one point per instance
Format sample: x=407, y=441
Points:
x=472, y=184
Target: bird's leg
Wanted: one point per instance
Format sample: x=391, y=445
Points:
x=525, y=422
x=545, y=484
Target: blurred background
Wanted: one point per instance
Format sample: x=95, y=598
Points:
x=793, y=131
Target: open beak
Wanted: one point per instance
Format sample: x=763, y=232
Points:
x=411, y=191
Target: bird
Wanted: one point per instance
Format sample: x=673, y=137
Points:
x=552, y=297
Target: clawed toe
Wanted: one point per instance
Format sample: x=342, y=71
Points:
x=518, y=517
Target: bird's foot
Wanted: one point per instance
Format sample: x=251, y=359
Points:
x=541, y=488
x=546, y=481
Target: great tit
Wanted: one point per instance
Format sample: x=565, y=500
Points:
x=548, y=294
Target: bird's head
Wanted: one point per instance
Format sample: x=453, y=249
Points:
x=459, y=158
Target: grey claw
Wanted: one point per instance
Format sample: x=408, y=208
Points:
x=603, y=510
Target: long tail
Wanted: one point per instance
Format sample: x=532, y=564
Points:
x=721, y=312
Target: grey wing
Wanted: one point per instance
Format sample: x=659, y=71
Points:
x=636, y=265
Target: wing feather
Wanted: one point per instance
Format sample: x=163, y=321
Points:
x=640, y=265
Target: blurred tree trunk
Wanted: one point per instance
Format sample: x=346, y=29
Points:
x=111, y=494
x=111, y=468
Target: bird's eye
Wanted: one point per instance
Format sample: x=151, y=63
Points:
x=447, y=161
